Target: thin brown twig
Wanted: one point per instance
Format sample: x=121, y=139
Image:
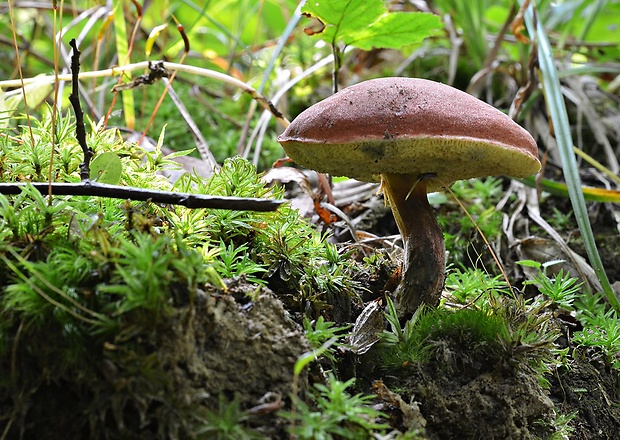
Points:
x=21, y=75
x=186, y=68
x=189, y=200
x=56, y=47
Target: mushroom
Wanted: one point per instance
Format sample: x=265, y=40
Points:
x=413, y=135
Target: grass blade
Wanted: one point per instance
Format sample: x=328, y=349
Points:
x=559, y=117
x=122, y=50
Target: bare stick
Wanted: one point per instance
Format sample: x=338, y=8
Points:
x=74, y=98
x=90, y=188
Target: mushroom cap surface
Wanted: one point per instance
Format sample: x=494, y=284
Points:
x=409, y=126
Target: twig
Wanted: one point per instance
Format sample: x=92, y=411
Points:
x=186, y=68
x=90, y=188
x=74, y=98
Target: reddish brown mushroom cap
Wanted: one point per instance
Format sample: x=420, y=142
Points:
x=409, y=126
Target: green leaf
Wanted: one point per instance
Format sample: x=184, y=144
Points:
x=560, y=189
x=367, y=23
x=396, y=29
x=529, y=263
x=311, y=356
x=344, y=18
x=106, y=168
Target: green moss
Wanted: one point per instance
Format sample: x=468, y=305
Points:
x=90, y=289
x=480, y=333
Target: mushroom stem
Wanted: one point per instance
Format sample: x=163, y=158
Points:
x=424, y=259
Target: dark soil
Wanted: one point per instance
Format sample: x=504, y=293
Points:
x=456, y=399
x=589, y=389
x=496, y=405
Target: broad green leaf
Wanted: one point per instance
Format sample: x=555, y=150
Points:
x=367, y=24
x=396, y=29
x=106, y=168
x=344, y=18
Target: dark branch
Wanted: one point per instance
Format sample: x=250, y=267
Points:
x=74, y=98
x=89, y=188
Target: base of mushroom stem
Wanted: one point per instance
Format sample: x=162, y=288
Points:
x=407, y=304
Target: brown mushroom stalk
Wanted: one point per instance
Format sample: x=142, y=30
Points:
x=422, y=272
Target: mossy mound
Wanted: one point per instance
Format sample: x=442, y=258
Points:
x=161, y=384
